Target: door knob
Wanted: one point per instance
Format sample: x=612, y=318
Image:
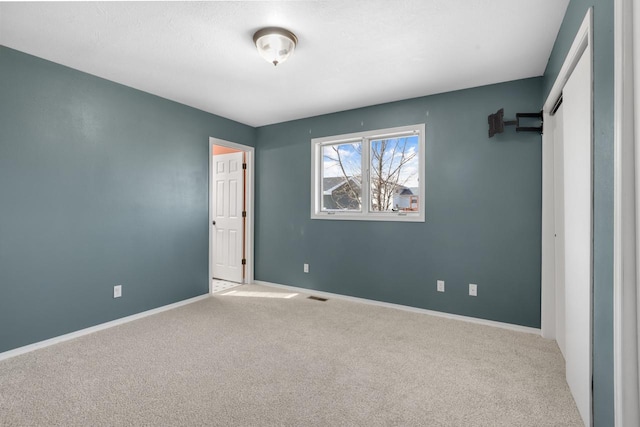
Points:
x=213, y=222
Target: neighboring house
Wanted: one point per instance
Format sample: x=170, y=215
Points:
x=405, y=199
x=342, y=193
x=339, y=192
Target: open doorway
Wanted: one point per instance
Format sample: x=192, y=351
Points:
x=230, y=214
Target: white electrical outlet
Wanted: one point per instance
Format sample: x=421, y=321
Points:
x=306, y=268
x=117, y=291
x=473, y=290
x=440, y=285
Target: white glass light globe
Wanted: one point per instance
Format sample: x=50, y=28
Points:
x=275, y=45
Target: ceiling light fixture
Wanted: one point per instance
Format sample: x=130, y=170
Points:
x=275, y=44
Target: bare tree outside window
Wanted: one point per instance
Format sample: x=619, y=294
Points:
x=342, y=176
x=394, y=170
x=393, y=174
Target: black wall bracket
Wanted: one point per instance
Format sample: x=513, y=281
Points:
x=497, y=123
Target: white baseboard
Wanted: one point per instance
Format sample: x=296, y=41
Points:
x=485, y=322
x=66, y=337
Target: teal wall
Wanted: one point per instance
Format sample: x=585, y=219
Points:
x=483, y=210
x=603, y=187
x=100, y=184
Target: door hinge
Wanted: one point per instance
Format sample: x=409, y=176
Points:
x=244, y=166
x=244, y=214
x=244, y=261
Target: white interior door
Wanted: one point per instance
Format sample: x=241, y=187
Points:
x=227, y=199
x=577, y=165
x=558, y=192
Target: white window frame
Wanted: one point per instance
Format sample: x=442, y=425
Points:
x=365, y=137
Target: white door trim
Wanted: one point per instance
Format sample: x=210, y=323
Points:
x=249, y=194
x=626, y=213
x=582, y=41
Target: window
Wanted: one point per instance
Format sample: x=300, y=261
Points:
x=375, y=176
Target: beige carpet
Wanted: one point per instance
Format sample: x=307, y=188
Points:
x=250, y=361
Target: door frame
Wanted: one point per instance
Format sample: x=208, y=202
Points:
x=249, y=207
x=626, y=212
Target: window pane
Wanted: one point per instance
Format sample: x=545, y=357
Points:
x=394, y=174
x=341, y=177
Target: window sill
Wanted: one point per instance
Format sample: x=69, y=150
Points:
x=391, y=216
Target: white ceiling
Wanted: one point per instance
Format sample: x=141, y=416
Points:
x=351, y=53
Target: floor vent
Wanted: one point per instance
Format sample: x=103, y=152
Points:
x=317, y=298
